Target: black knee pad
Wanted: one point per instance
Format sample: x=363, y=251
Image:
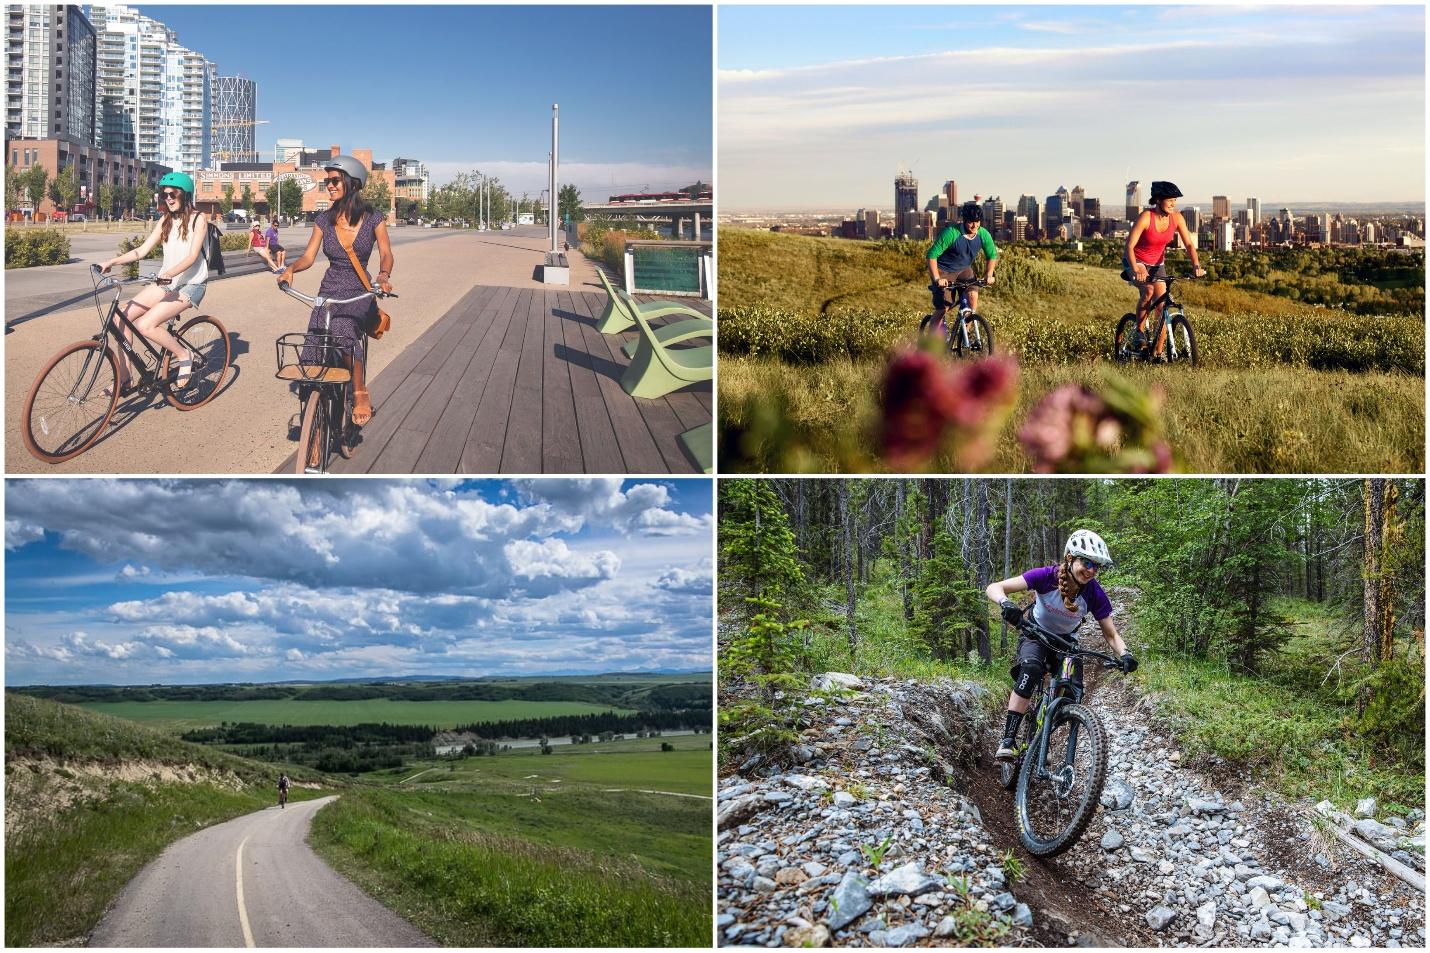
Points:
x=1027, y=678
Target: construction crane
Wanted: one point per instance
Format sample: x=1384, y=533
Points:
x=224, y=155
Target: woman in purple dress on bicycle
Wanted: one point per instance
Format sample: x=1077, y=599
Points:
x=349, y=222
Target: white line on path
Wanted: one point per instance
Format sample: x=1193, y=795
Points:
x=417, y=775
x=242, y=910
x=703, y=797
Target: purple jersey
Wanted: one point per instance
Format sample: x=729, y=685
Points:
x=1049, y=611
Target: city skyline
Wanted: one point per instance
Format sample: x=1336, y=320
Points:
x=498, y=98
x=267, y=580
x=1044, y=91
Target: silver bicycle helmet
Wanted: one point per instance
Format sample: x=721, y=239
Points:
x=351, y=166
x=1085, y=542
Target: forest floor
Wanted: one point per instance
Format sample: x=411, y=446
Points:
x=892, y=830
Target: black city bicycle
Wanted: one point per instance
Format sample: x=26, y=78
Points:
x=322, y=365
x=967, y=334
x=1062, y=745
x=73, y=398
x=1166, y=323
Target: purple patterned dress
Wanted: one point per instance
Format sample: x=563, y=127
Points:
x=341, y=281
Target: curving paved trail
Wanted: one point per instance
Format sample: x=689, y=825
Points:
x=251, y=881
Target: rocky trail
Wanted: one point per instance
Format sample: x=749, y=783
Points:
x=891, y=829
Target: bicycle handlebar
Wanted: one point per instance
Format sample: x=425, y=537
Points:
x=110, y=281
x=1061, y=643
x=320, y=301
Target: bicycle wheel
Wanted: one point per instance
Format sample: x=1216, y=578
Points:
x=1008, y=770
x=346, y=430
x=974, y=339
x=1181, y=342
x=313, y=438
x=1122, y=338
x=70, y=402
x=209, y=342
x=1054, y=809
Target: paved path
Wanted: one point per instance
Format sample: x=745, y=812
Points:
x=251, y=881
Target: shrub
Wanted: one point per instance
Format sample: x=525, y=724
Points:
x=131, y=270
x=234, y=241
x=27, y=248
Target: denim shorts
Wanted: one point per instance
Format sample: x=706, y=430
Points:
x=193, y=293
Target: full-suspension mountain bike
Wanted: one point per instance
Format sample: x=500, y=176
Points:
x=1167, y=325
x=71, y=401
x=1062, y=746
x=967, y=333
x=321, y=364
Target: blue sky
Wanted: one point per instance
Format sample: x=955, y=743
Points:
x=139, y=581
x=471, y=87
x=822, y=106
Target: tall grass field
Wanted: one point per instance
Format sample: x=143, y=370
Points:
x=526, y=849
x=89, y=800
x=808, y=324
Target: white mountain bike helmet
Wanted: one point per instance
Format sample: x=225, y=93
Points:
x=1085, y=542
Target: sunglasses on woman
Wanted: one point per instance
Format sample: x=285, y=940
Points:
x=1089, y=565
x=332, y=181
x=171, y=193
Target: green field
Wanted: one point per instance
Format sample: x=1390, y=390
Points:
x=525, y=849
x=183, y=716
x=808, y=324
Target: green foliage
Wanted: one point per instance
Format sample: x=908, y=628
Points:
x=377, y=193
x=947, y=607
x=234, y=241
x=1395, y=716
x=29, y=247
x=1012, y=866
x=225, y=204
x=246, y=199
x=568, y=205
x=36, y=182
x=875, y=855
x=762, y=656
x=757, y=546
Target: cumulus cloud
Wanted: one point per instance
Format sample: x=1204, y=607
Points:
x=643, y=509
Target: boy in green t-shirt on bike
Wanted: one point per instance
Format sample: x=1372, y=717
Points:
x=951, y=258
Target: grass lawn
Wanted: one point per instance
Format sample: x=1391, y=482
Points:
x=182, y=716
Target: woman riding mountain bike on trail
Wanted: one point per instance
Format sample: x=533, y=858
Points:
x=1144, y=262
x=180, y=283
x=1064, y=594
x=951, y=258
x=347, y=233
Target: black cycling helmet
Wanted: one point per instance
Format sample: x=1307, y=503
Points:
x=1165, y=190
x=970, y=212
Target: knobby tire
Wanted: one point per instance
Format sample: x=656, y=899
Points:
x=980, y=337
x=1048, y=824
x=1181, y=332
x=57, y=428
x=1122, y=338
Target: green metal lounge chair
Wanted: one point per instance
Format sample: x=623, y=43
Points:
x=621, y=307
x=698, y=444
x=670, y=333
x=657, y=369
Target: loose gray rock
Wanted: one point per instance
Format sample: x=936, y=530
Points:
x=843, y=799
x=908, y=879
x=1022, y=916
x=1111, y=840
x=1266, y=882
x=945, y=927
x=1206, y=914
x=850, y=901
x=1365, y=807
x=1158, y=917
x=836, y=680
x=811, y=936
x=1117, y=795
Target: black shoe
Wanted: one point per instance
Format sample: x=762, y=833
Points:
x=1007, y=750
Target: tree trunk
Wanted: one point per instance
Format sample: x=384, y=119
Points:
x=847, y=523
x=903, y=542
x=984, y=564
x=1007, y=553
x=1371, y=582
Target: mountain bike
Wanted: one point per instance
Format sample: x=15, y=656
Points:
x=322, y=365
x=970, y=335
x=282, y=797
x=1062, y=753
x=1179, y=343
x=71, y=401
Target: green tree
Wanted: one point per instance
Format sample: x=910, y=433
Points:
x=246, y=200
x=757, y=546
x=225, y=204
x=292, y=199
x=568, y=204
x=106, y=200
x=378, y=195
x=270, y=198
x=14, y=187
x=946, y=607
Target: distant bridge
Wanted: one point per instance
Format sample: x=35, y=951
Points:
x=680, y=214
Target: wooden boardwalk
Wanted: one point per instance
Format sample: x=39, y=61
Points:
x=516, y=380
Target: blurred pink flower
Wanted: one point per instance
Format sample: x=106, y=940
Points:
x=1056, y=421
x=981, y=388
x=918, y=402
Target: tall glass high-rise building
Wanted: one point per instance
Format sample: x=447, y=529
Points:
x=235, y=109
x=906, y=198
x=153, y=94
x=49, y=73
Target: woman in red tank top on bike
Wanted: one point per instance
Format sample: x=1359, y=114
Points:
x=1144, y=261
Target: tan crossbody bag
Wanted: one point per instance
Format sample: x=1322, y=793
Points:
x=372, y=327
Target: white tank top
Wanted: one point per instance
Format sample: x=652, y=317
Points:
x=176, y=249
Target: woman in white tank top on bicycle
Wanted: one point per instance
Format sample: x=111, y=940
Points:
x=181, y=231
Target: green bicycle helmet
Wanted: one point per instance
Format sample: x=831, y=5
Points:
x=178, y=180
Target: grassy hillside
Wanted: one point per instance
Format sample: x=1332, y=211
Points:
x=807, y=325
x=89, y=800
x=526, y=849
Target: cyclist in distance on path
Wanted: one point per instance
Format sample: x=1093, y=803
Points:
x=952, y=255
x=1064, y=594
x=180, y=231
x=1144, y=263
x=349, y=223
x=283, y=789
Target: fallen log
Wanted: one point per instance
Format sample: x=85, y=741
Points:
x=1340, y=823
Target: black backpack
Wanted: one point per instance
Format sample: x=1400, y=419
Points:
x=213, y=249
